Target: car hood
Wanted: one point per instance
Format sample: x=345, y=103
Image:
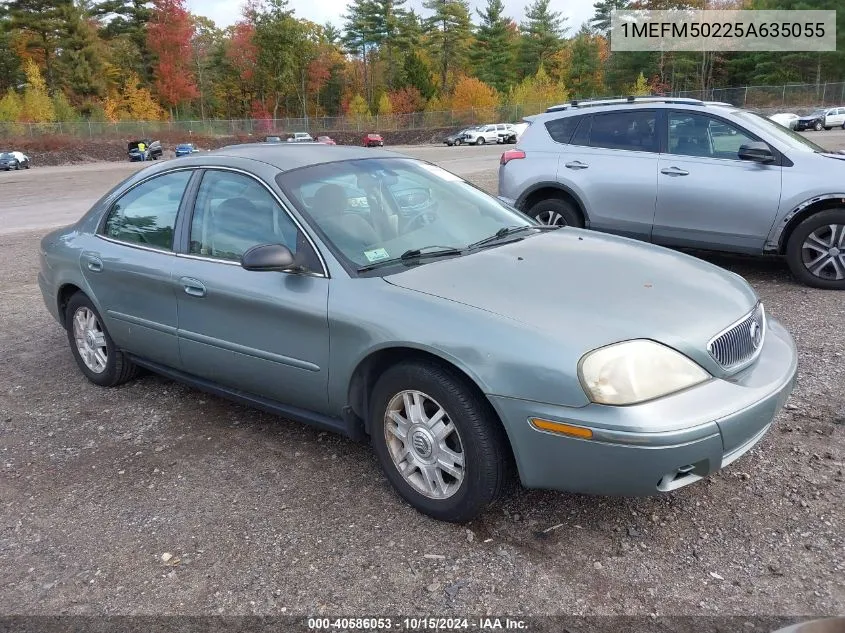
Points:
x=810, y=117
x=598, y=288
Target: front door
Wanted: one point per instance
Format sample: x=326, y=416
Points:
x=706, y=196
x=128, y=267
x=264, y=333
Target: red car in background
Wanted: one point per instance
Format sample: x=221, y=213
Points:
x=326, y=140
x=373, y=140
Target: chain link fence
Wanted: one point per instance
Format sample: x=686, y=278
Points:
x=777, y=97
x=795, y=96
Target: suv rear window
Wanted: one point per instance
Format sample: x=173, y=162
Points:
x=634, y=130
x=561, y=129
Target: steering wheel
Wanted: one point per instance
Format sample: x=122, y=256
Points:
x=424, y=218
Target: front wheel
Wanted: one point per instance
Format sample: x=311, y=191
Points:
x=818, y=126
x=92, y=347
x=816, y=250
x=438, y=441
x=458, y=142
x=481, y=140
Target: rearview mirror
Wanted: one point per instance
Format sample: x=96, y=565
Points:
x=268, y=258
x=756, y=151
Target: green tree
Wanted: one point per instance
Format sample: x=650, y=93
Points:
x=417, y=74
x=584, y=65
x=601, y=18
x=360, y=38
x=277, y=33
x=11, y=74
x=80, y=60
x=385, y=17
x=542, y=33
x=449, y=30
x=492, y=52
x=128, y=18
x=44, y=22
x=63, y=109
x=535, y=94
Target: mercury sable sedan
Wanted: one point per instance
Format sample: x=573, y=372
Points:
x=384, y=298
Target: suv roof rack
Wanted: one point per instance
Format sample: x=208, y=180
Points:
x=587, y=103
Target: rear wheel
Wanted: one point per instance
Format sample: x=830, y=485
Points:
x=438, y=441
x=556, y=212
x=816, y=250
x=92, y=347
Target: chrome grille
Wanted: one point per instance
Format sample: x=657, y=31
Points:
x=741, y=342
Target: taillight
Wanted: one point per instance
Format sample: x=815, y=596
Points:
x=511, y=154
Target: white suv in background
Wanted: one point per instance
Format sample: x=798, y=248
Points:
x=492, y=133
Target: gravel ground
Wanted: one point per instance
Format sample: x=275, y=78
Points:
x=154, y=498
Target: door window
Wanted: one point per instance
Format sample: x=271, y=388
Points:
x=561, y=129
x=703, y=135
x=234, y=212
x=633, y=130
x=146, y=214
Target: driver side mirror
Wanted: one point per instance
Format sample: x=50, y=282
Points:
x=756, y=151
x=268, y=258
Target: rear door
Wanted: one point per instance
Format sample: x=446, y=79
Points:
x=610, y=163
x=129, y=264
x=707, y=197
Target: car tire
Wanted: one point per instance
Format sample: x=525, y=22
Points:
x=480, y=140
x=476, y=438
x=458, y=142
x=112, y=370
x=805, y=250
x=818, y=127
x=556, y=212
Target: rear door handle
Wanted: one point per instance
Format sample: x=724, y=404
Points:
x=95, y=264
x=674, y=171
x=193, y=287
x=576, y=164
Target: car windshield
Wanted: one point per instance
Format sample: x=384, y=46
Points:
x=185, y=146
x=819, y=113
x=5, y=155
x=374, y=210
x=783, y=134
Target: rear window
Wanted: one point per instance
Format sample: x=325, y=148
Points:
x=562, y=129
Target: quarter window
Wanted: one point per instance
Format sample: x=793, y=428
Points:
x=633, y=130
x=703, y=135
x=234, y=212
x=561, y=129
x=146, y=215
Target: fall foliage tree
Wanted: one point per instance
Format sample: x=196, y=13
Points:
x=640, y=88
x=358, y=107
x=473, y=94
x=133, y=103
x=169, y=36
x=406, y=100
x=11, y=107
x=537, y=93
x=384, y=105
x=37, y=107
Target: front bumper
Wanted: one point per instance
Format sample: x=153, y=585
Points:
x=657, y=446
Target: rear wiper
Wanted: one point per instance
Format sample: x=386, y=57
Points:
x=414, y=254
x=512, y=230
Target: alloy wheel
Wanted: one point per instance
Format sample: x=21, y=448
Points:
x=424, y=444
x=90, y=340
x=551, y=218
x=823, y=252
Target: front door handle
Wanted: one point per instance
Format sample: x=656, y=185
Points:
x=95, y=264
x=193, y=287
x=576, y=164
x=674, y=171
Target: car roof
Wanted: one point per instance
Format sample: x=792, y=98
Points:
x=286, y=156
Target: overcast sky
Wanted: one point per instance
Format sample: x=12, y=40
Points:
x=226, y=12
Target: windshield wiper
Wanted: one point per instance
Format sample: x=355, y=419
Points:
x=507, y=231
x=414, y=254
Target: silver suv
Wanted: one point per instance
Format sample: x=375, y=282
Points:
x=684, y=173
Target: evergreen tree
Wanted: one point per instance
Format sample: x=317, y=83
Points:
x=542, y=31
x=11, y=75
x=385, y=18
x=603, y=8
x=416, y=74
x=128, y=18
x=80, y=61
x=449, y=30
x=492, y=53
x=45, y=20
x=584, y=65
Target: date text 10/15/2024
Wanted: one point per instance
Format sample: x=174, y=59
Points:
x=417, y=624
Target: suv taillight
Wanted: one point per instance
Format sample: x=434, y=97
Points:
x=511, y=154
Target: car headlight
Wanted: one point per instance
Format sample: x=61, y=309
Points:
x=636, y=371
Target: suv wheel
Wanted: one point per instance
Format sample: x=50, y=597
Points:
x=818, y=126
x=555, y=212
x=816, y=250
x=438, y=441
x=92, y=347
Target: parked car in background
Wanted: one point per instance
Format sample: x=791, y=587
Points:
x=272, y=139
x=326, y=140
x=457, y=138
x=487, y=134
x=683, y=173
x=822, y=119
x=145, y=149
x=424, y=321
x=300, y=137
x=786, y=119
x=186, y=149
x=514, y=132
x=373, y=140
x=10, y=160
